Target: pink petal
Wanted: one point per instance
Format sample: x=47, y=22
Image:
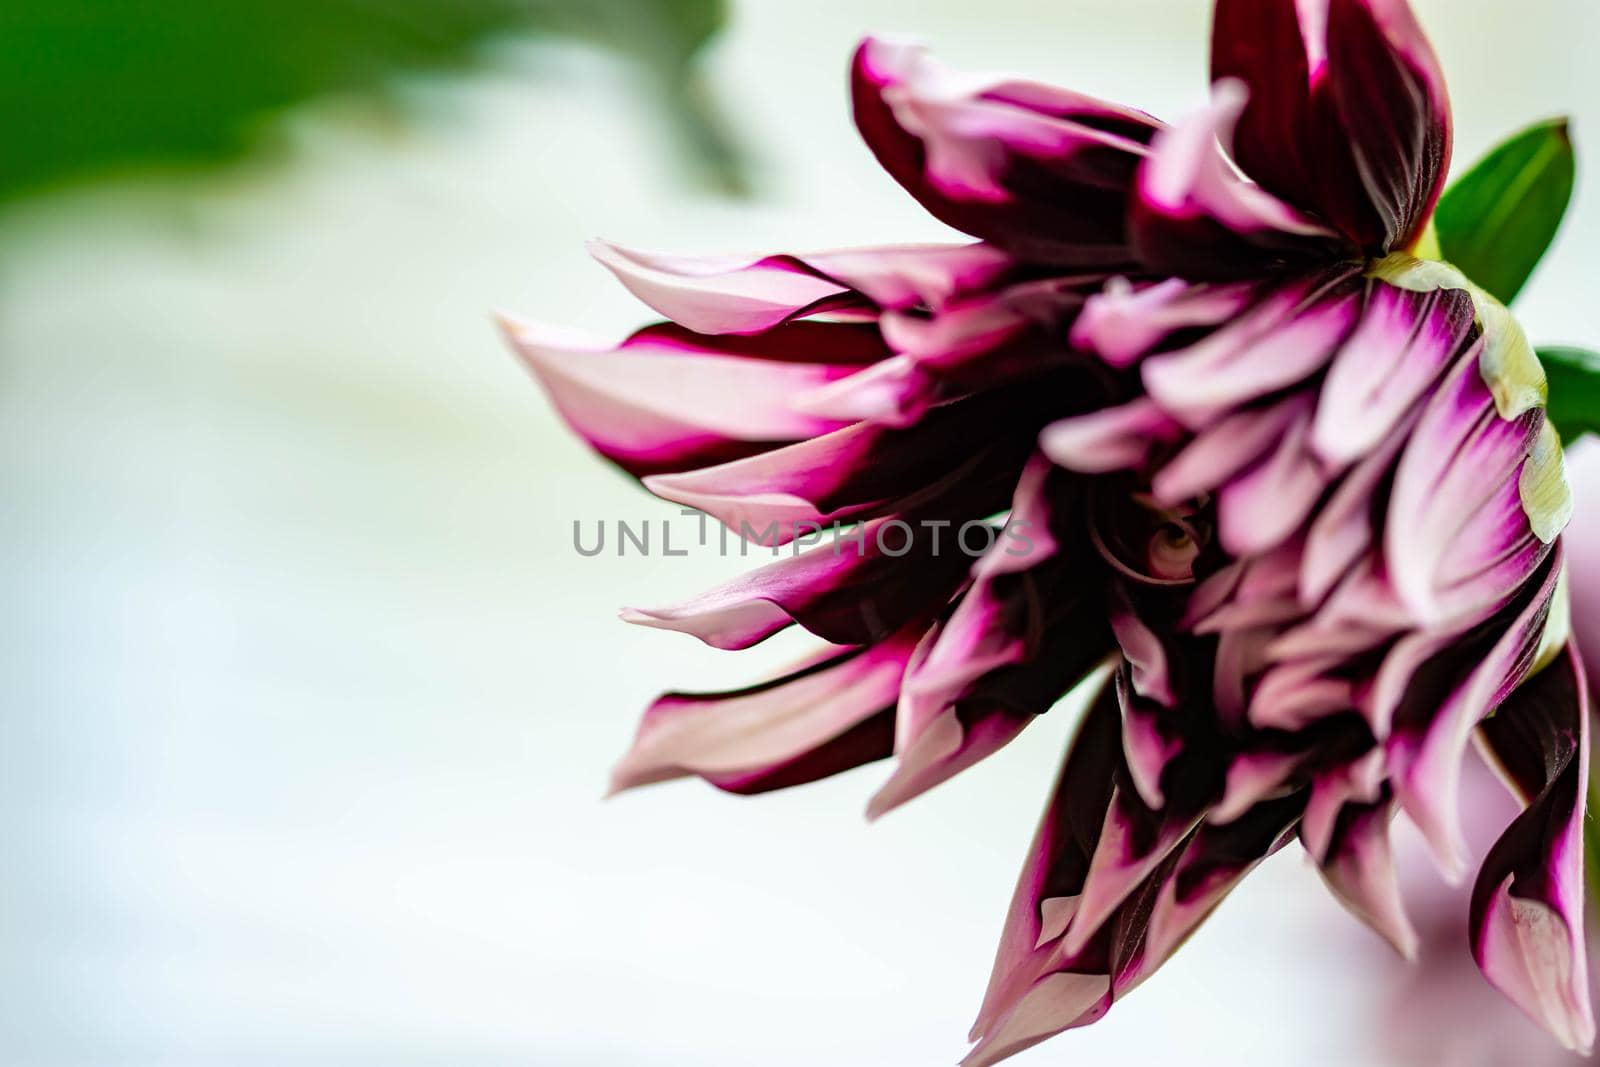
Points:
x=831, y=713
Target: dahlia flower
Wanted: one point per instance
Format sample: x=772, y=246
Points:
x=1230, y=427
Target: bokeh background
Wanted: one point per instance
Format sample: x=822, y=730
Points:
x=309, y=702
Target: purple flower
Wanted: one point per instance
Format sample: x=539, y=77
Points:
x=1288, y=476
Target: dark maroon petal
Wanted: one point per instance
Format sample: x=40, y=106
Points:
x=834, y=712
x=1041, y=172
x=1527, y=914
x=1391, y=98
x=1347, y=114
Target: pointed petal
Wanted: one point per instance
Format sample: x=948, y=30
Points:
x=1359, y=869
x=1527, y=904
x=667, y=399
x=1026, y=633
x=748, y=294
x=1058, y=859
x=721, y=294
x=831, y=713
x=1215, y=861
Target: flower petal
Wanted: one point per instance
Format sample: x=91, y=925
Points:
x=1288, y=336
x=1026, y=633
x=1428, y=742
x=1126, y=321
x=972, y=345
x=1110, y=439
x=1457, y=539
x=1347, y=116
x=1359, y=869
x=1039, y=171
x=849, y=593
x=748, y=294
x=1527, y=903
x=667, y=399
x=1195, y=216
x=864, y=471
x=834, y=712
x=1403, y=344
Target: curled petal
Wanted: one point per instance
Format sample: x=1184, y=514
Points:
x=1527, y=903
x=1038, y=171
x=832, y=713
x=1195, y=216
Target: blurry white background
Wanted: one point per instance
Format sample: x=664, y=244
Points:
x=310, y=702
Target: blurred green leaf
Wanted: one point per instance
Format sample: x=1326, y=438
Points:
x=1574, y=375
x=1496, y=221
x=91, y=87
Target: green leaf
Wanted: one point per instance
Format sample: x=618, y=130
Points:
x=94, y=88
x=1574, y=375
x=1496, y=221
